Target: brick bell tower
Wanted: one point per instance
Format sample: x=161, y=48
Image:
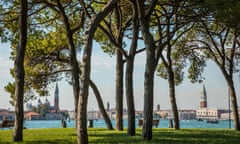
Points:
x=203, y=99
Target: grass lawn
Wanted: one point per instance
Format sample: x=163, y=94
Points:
x=98, y=135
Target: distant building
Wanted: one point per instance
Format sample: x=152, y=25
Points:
x=209, y=113
x=163, y=113
x=56, y=98
x=226, y=115
x=205, y=113
x=182, y=114
x=53, y=116
x=108, y=106
x=71, y=115
x=203, y=99
x=32, y=116
x=158, y=107
x=187, y=114
x=6, y=113
x=53, y=112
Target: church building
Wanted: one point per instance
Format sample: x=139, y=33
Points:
x=56, y=98
x=53, y=112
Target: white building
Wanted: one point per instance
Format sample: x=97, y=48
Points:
x=208, y=113
x=187, y=114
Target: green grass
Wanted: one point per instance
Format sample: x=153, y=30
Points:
x=98, y=135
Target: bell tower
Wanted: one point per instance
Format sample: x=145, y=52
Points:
x=56, y=98
x=203, y=99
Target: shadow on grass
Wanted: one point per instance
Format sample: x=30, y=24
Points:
x=170, y=137
x=162, y=136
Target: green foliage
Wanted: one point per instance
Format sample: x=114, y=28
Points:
x=47, y=54
x=65, y=114
x=44, y=109
x=196, y=68
x=177, y=67
x=10, y=88
x=104, y=42
x=226, y=12
x=115, y=24
x=100, y=135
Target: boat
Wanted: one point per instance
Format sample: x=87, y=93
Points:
x=214, y=121
x=155, y=122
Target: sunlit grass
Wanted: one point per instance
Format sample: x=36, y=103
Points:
x=101, y=135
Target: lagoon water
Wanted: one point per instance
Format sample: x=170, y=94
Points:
x=101, y=124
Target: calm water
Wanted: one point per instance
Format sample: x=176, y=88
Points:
x=101, y=124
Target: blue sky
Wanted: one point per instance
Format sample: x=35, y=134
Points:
x=103, y=74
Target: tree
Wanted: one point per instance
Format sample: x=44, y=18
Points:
x=86, y=70
x=74, y=64
x=19, y=72
x=44, y=108
x=175, y=21
x=114, y=27
x=101, y=105
x=223, y=50
x=129, y=70
x=112, y=42
x=145, y=10
x=217, y=35
x=159, y=23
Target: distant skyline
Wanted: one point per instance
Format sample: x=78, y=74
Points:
x=103, y=74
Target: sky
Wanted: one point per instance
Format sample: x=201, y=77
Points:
x=103, y=74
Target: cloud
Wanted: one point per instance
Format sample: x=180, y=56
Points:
x=5, y=65
x=103, y=62
x=140, y=59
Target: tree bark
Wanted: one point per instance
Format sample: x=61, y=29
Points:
x=20, y=73
x=148, y=93
x=221, y=57
x=171, y=80
x=150, y=66
x=119, y=91
x=173, y=98
x=234, y=107
x=234, y=104
x=130, y=97
x=86, y=71
x=101, y=105
x=148, y=82
x=73, y=58
x=129, y=75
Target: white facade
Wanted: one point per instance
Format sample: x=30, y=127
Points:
x=187, y=115
x=209, y=113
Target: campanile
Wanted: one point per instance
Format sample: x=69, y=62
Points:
x=203, y=99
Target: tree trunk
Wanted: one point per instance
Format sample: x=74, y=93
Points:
x=148, y=97
x=148, y=82
x=130, y=97
x=129, y=74
x=233, y=97
x=20, y=73
x=171, y=80
x=101, y=105
x=73, y=59
x=86, y=71
x=234, y=104
x=173, y=98
x=150, y=66
x=119, y=91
